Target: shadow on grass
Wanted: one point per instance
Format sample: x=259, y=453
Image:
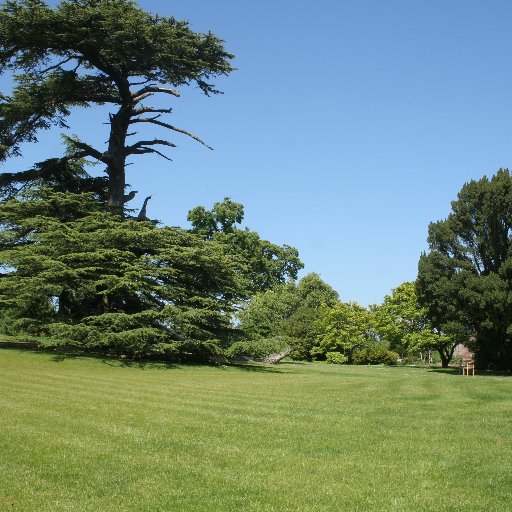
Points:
x=141, y=364
x=255, y=367
x=457, y=372
x=61, y=354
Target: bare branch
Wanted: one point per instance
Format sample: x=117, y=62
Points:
x=154, y=120
x=144, y=151
x=151, y=110
x=143, y=82
x=144, y=119
x=141, y=145
x=58, y=65
x=150, y=89
x=159, y=153
x=143, y=97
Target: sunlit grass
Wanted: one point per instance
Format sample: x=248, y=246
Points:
x=85, y=434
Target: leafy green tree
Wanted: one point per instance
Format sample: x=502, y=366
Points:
x=345, y=328
x=289, y=310
x=84, y=53
x=399, y=318
x=74, y=273
x=266, y=264
x=465, y=281
x=264, y=315
x=403, y=323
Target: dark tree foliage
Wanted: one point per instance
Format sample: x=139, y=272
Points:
x=74, y=273
x=58, y=173
x=465, y=281
x=97, y=52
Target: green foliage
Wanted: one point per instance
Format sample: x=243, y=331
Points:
x=404, y=325
x=264, y=314
x=343, y=328
x=266, y=264
x=465, y=281
x=59, y=174
x=399, y=318
x=336, y=358
x=289, y=310
x=79, y=275
x=222, y=218
x=258, y=348
x=377, y=353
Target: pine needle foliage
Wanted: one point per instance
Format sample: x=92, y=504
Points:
x=74, y=273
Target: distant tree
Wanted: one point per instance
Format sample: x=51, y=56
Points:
x=345, y=328
x=73, y=273
x=265, y=313
x=84, y=53
x=404, y=324
x=465, y=281
x=289, y=310
x=266, y=264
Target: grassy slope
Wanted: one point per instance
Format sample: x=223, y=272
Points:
x=92, y=435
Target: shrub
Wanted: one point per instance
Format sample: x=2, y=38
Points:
x=376, y=354
x=258, y=348
x=301, y=349
x=336, y=358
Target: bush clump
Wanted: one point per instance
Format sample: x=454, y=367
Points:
x=376, y=354
x=336, y=358
x=257, y=348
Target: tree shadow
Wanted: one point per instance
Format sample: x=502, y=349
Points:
x=254, y=367
x=62, y=354
x=141, y=364
x=20, y=345
x=457, y=372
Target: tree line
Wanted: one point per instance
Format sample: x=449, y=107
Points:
x=78, y=268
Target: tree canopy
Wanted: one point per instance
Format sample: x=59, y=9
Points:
x=73, y=273
x=291, y=310
x=98, y=52
x=266, y=264
x=404, y=325
x=344, y=328
x=465, y=281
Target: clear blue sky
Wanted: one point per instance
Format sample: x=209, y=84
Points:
x=348, y=127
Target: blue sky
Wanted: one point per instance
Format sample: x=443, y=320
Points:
x=348, y=127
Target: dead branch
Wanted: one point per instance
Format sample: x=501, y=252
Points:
x=142, y=144
x=150, y=89
x=154, y=120
x=151, y=110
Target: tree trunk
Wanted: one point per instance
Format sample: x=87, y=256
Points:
x=444, y=359
x=116, y=183
x=275, y=358
x=119, y=124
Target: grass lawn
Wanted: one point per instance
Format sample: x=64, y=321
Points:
x=84, y=434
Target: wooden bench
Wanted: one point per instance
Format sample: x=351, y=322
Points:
x=468, y=365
